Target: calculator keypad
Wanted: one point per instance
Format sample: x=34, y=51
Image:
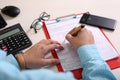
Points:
x=15, y=43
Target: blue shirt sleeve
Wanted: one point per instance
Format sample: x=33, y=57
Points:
x=94, y=67
x=10, y=70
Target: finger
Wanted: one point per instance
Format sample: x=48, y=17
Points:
x=49, y=41
x=51, y=61
x=72, y=31
x=69, y=37
x=54, y=46
x=53, y=42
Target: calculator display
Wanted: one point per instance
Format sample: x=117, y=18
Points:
x=9, y=33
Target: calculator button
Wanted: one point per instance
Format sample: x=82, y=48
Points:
x=10, y=49
x=14, y=42
x=4, y=47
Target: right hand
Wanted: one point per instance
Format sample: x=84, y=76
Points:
x=83, y=37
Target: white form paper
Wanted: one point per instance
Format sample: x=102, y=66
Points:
x=68, y=57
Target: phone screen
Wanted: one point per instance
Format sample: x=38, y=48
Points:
x=98, y=21
x=2, y=22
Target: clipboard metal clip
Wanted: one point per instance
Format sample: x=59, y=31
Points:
x=66, y=17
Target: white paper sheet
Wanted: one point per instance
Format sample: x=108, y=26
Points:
x=69, y=57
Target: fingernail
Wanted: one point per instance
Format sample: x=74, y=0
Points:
x=62, y=48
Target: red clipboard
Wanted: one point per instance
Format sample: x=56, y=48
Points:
x=114, y=63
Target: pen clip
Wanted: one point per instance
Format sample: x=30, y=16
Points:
x=66, y=17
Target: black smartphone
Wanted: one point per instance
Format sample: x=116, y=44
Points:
x=98, y=21
x=2, y=22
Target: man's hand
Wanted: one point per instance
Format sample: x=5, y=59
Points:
x=35, y=56
x=83, y=37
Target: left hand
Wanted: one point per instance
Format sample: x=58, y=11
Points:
x=35, y=56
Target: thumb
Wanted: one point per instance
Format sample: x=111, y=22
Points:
x=69, y=37
x=51, y=61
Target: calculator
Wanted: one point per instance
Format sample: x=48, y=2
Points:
x=14, y=39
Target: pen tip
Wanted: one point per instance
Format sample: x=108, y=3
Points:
x=82, y=25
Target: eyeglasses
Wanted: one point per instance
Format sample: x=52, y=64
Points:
x=37, y=23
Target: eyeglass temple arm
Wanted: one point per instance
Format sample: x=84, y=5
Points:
x=34, y=29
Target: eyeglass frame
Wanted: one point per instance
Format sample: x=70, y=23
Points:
x=41, y=18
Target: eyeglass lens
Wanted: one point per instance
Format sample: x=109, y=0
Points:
x=37, y=23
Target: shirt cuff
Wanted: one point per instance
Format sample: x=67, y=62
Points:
x=11, y=59
x=88, y=52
